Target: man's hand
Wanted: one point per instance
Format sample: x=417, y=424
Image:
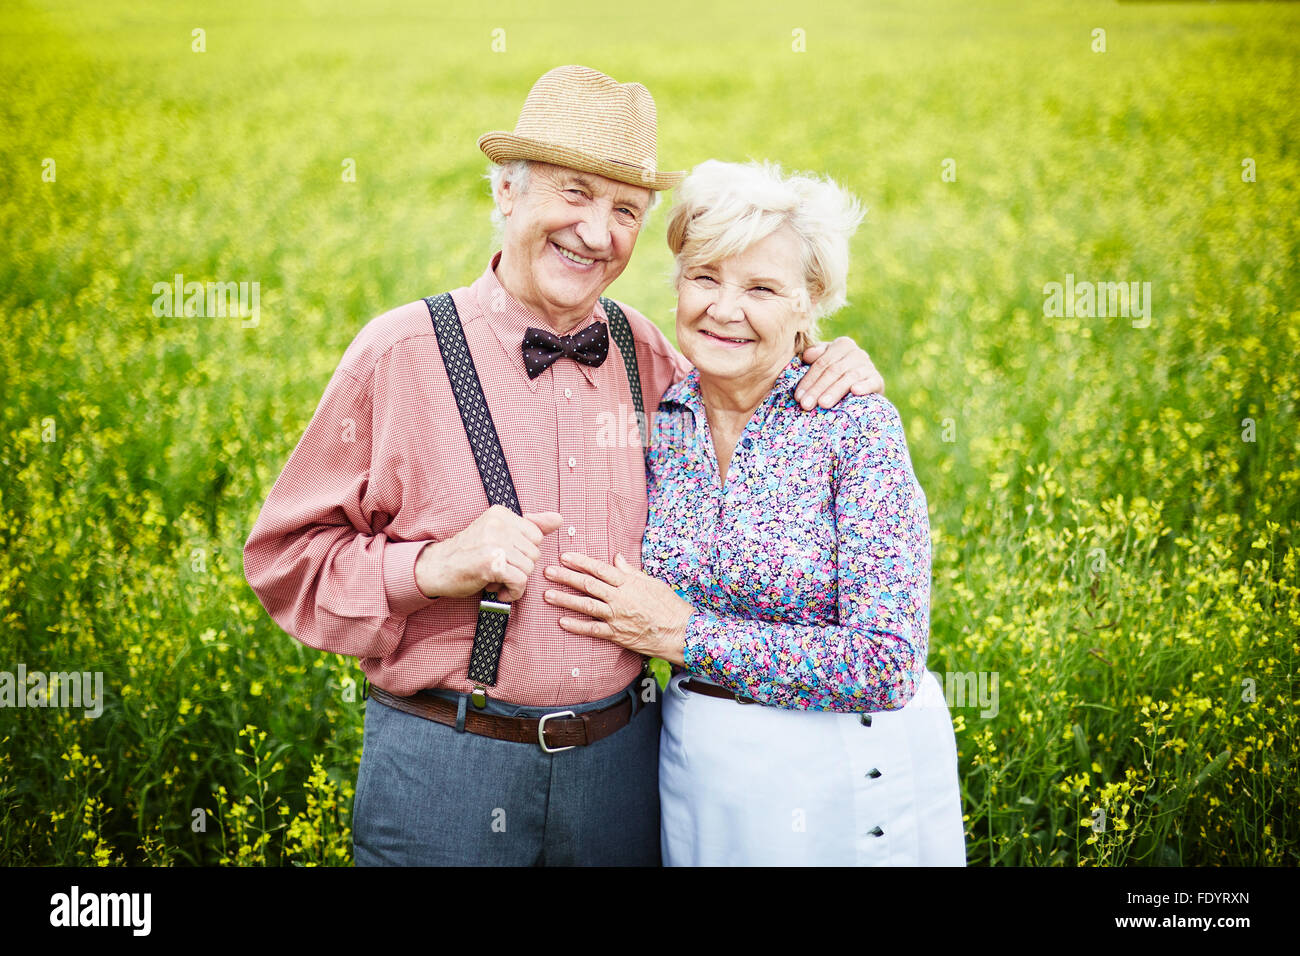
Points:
x=496, y=552
x=838, y=368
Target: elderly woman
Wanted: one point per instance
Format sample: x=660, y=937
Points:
x=786, y=563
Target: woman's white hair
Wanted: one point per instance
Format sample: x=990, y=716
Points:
x=517, y=173
x=724, y=208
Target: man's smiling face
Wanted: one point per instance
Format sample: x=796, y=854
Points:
x=568, y=235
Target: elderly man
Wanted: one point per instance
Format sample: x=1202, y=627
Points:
x=462, y=443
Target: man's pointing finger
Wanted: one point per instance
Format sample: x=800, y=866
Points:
x=546, y=522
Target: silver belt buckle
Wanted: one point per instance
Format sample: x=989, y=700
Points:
x=541, y=731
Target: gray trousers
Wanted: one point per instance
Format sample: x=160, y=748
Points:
x=429, y=795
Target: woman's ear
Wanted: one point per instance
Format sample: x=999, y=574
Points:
x=807, y=309
x=804, y=304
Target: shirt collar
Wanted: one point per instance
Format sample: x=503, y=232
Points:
x=687, y=391
x=510, y=319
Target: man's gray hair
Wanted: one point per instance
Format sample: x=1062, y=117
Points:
x=517, y=172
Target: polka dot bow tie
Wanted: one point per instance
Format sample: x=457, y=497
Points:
x=542, y=348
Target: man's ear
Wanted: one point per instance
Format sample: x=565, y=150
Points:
x=507, y=193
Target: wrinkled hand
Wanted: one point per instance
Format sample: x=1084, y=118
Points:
x=838, y=368
x=623, y=604
x=496, y=552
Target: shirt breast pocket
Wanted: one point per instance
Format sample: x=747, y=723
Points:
x=625, y=517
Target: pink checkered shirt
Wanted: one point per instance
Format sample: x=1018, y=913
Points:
x=384, y=467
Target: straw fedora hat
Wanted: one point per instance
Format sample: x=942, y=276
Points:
x=578, y=117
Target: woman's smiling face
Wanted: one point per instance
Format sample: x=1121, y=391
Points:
x=737, y=319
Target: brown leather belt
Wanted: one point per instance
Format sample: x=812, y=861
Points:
x=713, y=690
x=561, y=730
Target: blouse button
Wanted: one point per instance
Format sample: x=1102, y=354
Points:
x=574, y=672
x=568, y=393
x=866, y=720
x=572, y=531
x=573, y=462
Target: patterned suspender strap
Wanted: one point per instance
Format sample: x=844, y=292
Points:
x=493, y=615
x=621, y=332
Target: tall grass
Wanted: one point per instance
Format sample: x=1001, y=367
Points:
x=1113, y=507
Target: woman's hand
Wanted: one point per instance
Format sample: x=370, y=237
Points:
x=625, y=605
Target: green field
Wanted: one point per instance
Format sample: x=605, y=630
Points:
x=1113, y=500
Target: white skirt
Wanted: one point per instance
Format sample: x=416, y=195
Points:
x=748, y=785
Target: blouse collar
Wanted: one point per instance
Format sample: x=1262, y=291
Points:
x=687, y=391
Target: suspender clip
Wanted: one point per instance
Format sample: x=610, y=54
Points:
x=496, y=607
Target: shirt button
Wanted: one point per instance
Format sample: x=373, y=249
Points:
x=574, y=672
x=573, y=462
x=572, y=531
x=568, y=393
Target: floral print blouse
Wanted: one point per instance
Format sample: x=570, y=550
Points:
x=810, y=569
